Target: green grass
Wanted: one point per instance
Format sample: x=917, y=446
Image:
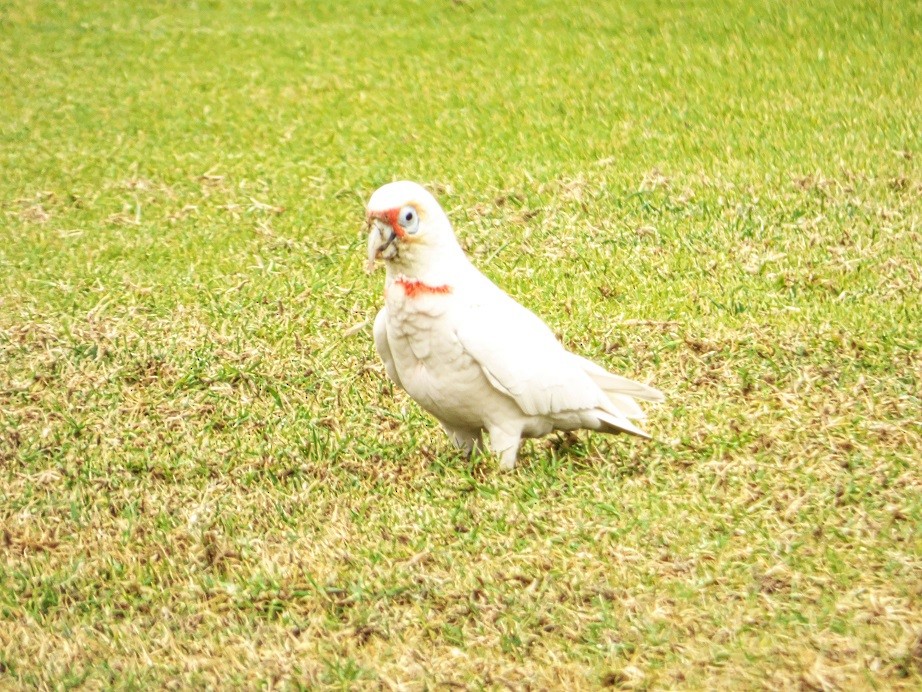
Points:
x=205, y=477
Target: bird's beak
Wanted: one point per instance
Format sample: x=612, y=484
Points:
x=387, y=243
x=381, y=239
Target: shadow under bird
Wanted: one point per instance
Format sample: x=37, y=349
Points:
x=467, y=352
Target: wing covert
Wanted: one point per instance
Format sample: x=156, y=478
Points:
x=520, y=356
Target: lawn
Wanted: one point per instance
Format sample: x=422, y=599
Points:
x=206, y=477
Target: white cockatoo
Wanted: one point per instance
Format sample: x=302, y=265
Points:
x=468, y=353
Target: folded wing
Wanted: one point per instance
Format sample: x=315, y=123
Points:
x=522, y=358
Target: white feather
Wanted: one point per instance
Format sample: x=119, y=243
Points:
x=520, y=355
x=383, y=347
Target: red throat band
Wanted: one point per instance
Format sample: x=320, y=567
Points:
x=413, y=288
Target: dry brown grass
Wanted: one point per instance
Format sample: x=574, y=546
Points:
x=207, y=480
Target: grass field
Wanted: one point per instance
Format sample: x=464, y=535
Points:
x=205, y=477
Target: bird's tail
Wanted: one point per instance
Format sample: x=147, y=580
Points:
x=621, y=393
x=623, y=405
x=609, y=423
x=615, y=384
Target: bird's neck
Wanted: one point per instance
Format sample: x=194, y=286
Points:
x=444, y=268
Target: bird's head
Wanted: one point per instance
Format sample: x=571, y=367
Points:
x=407, y=228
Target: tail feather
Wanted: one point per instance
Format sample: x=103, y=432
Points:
x=623, y=405
x=615, y=424
x=615, y=384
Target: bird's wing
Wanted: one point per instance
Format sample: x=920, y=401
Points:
x=616, y=384
x=520, y=356
x=383, y=347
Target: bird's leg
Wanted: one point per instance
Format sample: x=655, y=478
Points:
x=464, y=440
x=505, y=444
x=469, y=443
x=474, y=444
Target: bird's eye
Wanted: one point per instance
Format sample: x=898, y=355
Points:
x=409, y=219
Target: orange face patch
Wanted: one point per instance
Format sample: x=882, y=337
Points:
x=388, y=216
x=391, y=216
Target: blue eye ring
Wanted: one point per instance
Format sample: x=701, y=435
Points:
x=409, y=219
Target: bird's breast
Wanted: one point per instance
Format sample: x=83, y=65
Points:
x=413, y=300
x=439, y=374
x=420, y=329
